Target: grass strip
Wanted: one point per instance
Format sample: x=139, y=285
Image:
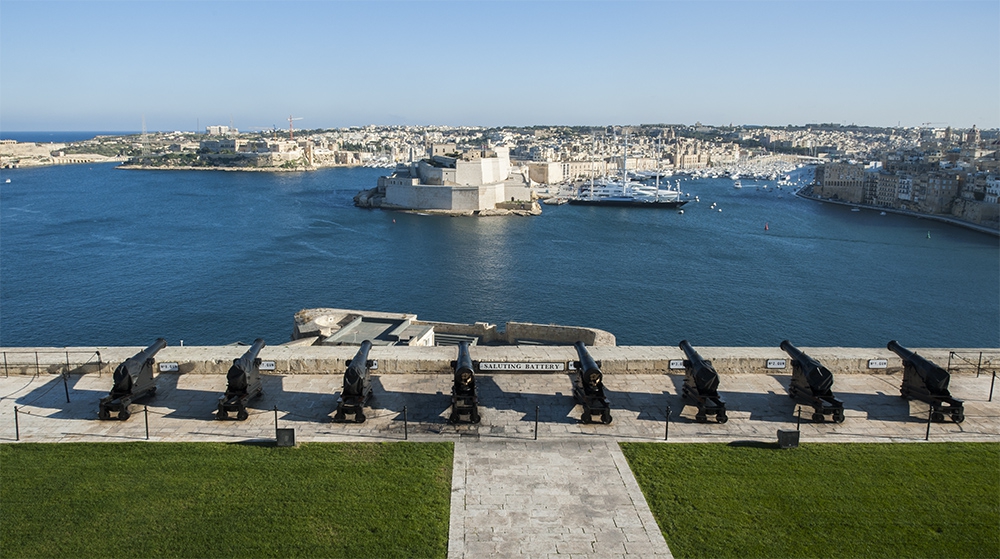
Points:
x=823, y=500
x=225, y=500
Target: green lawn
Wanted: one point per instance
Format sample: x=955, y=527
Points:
x=225, y=500
x=823, y=500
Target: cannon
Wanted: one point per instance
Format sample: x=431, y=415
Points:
x=588, y=387
x=701, y=385
x=464, y=398
x=927, y=382
x=811, y=385
x=357, y=386
x=133, y=379
x=243, y=383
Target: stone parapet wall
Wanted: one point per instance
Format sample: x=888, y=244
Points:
x=403, y=360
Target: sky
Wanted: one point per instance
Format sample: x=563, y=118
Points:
x=183, y=65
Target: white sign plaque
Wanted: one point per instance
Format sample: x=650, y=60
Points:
x=169, y=368
x=676, y=364
x=775, y=363
x=878, y=363
x=522, y=367
x=266, y=365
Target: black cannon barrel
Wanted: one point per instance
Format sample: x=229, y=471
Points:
x=587, y=363
x=693, y=356
x=357, y=369
x=935, y=378
x=590, y=374
x=123, y=374
x=151, y=351
x=245, y=362
x=243, y=365
x=820, y=378
x=464, y=362
x=705, y=375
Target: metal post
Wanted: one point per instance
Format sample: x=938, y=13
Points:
x=17, y=428
x=406, y=429
x=37, y=369
x=66, y=385
x=930, y=414
x=798, y=422
x=275, y=422
x=948, y=368
x=980, y=364
x=145, y=412
x=100, y=364
x=992, y=382
x=666, y=431
x=5, y=373
x=536, y=423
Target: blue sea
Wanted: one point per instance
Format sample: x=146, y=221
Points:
x=56, y=137
x=93, y=255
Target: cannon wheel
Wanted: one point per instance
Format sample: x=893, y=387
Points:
x=152, y=392
x=791, y=392
x=700, y=417
x=124, y=414
x=359, y=417
x=474, y=417
x=242, y=415
x=818, y=417
x=585, y=418
x=937, y=416
x=722, y=418
x=103, y=413
x=958, y=417
x=606, y=417
x=838, y=417
x=222, y=414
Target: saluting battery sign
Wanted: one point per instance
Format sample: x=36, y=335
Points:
x=522, y=367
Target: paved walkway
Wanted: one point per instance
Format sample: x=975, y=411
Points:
x=569, y=492
x=548, y=498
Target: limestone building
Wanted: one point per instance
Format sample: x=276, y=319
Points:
x=473, y=181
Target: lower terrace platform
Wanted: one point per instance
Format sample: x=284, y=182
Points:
x=514, y=489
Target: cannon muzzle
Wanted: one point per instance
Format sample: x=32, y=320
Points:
x=464, y=371
x=243, y=366
x=591, y=372
x=693, y=356
x=701, y=371
x=357, y=369
x=792, y=351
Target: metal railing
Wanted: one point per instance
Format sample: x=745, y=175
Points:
x=91, y=355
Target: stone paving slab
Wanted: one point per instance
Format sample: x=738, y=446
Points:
x=548, y=498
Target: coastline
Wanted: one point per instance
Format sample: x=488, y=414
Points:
x=235, y=169
x=940, y=218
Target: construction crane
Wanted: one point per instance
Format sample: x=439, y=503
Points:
x=933, y=124
x=291, y=135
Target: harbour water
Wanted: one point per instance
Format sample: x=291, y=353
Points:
x=91, y=255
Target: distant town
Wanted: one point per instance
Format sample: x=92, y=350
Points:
x=932, y=170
